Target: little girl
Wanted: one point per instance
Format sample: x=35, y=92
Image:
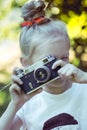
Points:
x=60, y=104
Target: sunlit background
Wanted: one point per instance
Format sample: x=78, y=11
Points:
x=72, y=12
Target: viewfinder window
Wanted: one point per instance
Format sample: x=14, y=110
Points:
x=45, y=60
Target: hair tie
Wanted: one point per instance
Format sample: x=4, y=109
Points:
x=34, y=21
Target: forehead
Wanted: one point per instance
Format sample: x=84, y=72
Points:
x=57, y=49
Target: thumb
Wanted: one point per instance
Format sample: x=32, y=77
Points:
x=59, y=63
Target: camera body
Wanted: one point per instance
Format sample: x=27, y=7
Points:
x=38, y=74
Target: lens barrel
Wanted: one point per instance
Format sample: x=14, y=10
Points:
x=42, y=74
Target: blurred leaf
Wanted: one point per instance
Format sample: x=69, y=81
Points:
x=76, y=61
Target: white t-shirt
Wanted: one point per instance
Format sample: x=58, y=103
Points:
x=66, y=111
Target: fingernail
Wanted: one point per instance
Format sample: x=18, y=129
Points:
x=21, y=82
x=53, y=67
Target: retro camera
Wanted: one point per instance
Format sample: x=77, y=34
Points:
x=38, y=74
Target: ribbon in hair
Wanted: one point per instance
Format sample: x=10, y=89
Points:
x=34, y=21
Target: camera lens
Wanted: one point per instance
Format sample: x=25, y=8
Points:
x=42, y=74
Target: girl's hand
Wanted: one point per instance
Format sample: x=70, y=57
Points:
x=70, y=72
x=17, y=94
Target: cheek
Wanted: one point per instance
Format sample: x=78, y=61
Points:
x=38, y=56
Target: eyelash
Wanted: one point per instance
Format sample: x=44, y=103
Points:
x=64, y=58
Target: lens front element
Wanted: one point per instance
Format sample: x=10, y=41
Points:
x=42, y=74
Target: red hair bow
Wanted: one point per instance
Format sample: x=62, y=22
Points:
x=34, y=21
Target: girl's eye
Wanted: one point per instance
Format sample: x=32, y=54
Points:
x=64, y=58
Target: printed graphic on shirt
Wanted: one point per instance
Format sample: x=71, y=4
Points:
x=62, y=121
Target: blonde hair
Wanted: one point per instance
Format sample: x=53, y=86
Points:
x=46, y=31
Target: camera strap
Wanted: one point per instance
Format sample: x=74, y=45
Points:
x=6, y=86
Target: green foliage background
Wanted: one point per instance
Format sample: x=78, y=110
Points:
x=72, y=12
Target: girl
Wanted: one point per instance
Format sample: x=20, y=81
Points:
x=59, y=105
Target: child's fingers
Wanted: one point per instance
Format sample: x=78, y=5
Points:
x=16, y=79
x=17, y=71
x=68, y=71
x=58, y=63
x=15, y=89
x=65, y=69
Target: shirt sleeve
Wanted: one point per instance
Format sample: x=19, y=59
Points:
x=20, y=114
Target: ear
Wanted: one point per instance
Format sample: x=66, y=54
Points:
x=24, y=61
